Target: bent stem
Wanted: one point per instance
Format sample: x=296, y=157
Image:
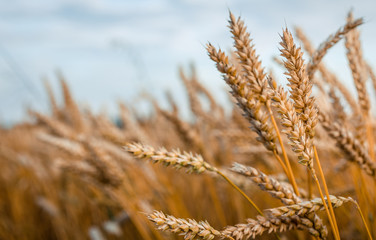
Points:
x=289, y=173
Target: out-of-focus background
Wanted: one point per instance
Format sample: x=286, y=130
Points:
x=114, y=50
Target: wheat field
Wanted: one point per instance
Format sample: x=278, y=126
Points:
x=291, y=161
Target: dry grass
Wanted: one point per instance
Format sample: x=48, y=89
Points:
x=297, y=156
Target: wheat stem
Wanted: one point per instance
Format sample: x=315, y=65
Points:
x=239, y=190
x=244, y=195
x=325, y=205
x=309, y=183
x=330, y=212
x=282, y=164
x=363, y=219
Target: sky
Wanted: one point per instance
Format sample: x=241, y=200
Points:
x=113, y=50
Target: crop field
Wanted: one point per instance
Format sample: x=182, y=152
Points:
x=293, y=161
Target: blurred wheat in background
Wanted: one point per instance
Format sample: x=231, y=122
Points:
x=289, y=162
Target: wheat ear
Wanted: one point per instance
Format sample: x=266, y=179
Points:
x=313, y=222
x=249, y=60
x=330, y=42
x=354, y=151
x=256, y=227
x=329, y=77
x=252, y=108
x=305, y=110
x=67, y=145
x=189, y=228
x=57, y=127
x=372, y=76
x=267, y=183
x=260, y=225
x=302, y=208
x=72, y=110
x=194, y=163
x=256, y=78
x=176, y=158
x=359, y=73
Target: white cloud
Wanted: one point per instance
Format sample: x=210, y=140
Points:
x=106, y=43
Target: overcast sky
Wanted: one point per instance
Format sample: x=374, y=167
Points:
x=111, y=50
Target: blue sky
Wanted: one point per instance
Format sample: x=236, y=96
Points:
x=113, y=50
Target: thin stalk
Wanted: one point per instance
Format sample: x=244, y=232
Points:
x=374, y=207
x=290, y=172
x=359, y=190
x=326, y=191
x=371, y=143
x=216, y=202
x=209, y=183
x=282, y=164
x=366, y=194
x=336, y=235
x=309, y=183
x=244, y=195
x=241, y=192
x=363, y=219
